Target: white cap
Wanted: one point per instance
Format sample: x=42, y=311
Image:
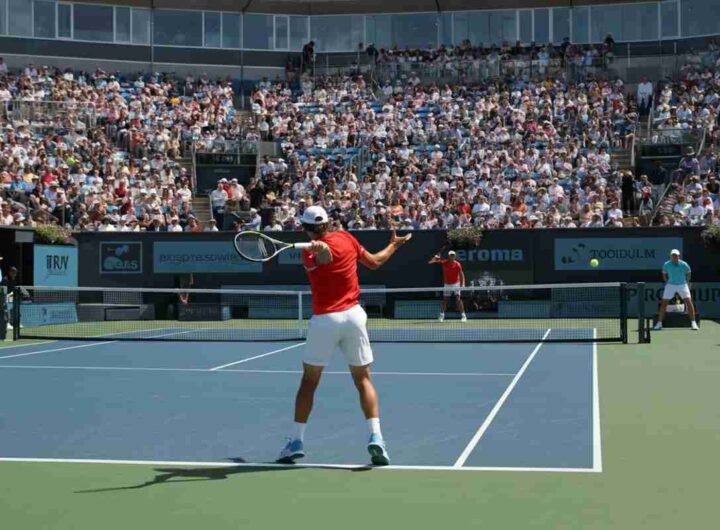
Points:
x=451, y=253
x=314, y=215
x=674, y=252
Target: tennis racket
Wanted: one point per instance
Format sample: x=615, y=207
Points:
x=256, y=246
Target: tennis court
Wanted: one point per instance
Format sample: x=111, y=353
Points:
x=225, y=402
x=150, y=424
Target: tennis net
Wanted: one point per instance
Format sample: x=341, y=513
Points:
x=529, y=313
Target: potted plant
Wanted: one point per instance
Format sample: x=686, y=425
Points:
x=711, y=237
x=466, y=237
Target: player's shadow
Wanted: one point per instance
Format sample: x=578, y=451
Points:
x=174, y=475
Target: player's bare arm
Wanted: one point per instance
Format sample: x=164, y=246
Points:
x=378, y=259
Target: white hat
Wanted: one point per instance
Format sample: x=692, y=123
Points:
x=674, y=252
x=451, y=253
x=314, y=215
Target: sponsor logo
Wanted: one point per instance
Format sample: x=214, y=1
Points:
x=620, y=253
x=55, y=266
x=32, y=315
x=199, y=256
x=705, y=296
x=120, y=257
x=492, y=255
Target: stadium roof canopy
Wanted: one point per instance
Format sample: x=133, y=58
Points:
x=338, y=7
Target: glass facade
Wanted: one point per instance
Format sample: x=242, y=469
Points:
x=122, y=24
x=178, y=28
x=20, y=19
x=44, y=20
x=630, y=22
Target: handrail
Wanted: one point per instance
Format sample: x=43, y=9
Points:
x=632, y=146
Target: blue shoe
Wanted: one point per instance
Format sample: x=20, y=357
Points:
x=378, y=454
x=292, y=451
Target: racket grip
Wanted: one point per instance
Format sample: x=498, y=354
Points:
x=302, y=245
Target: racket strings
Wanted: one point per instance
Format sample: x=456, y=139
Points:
x=255, y=246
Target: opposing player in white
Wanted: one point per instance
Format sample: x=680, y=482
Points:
x=676, y=274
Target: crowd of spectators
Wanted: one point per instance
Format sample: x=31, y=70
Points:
x=494, y=154
x=103, y=152
x=95, y=151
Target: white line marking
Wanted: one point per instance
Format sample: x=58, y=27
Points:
x=58, y=349
x=597, y=436
x=27, y=345
x=88, y=345
x=241, y=361
x=296, y=466
x=160, y=369
x=500, y=402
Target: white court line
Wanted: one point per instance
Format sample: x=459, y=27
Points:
x=161, y=369
x=500, y=402
x=241, y=361
x=28, y=345
x=597, y=436
x=77, y=346
x=294, y=466
x=58, y=349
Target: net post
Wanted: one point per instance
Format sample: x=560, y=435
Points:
x=623, y=313
x=300, y=316
x=642, y=338
x=17, y=298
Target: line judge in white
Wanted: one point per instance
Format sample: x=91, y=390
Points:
x=676, y=274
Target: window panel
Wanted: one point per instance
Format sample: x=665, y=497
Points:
x=298, y=32
x=639, y=22
x=122, y=24
x=140, y=26
x=258, y=32
x=64, y=16
x=669, y=19
x=336, y=33
x=503, y=27
x=379, y=31
x=3, y=15
x=542, y=26
x=20, y=23
x=526, y=26
x=94, y=23
x=473, y=26
x=446, y=38
x=281, y=32
x=415, y=31
x=561, y=24
x=44, y=19
x=212, y=29
x=178, y=28
x=580, y=25
x=230, y=30
x=606, y=20
x=700, y=17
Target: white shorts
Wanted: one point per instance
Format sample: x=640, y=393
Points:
x=344, y=330
x=450, y=289
x=670, y=290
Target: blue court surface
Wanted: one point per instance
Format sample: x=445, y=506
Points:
x=443, y=406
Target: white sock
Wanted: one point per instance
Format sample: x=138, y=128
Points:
x=299, y=431
x=374, y=426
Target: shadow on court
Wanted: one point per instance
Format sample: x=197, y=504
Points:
x=200, y=474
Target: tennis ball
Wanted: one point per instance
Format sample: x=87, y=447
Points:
x=594, y=263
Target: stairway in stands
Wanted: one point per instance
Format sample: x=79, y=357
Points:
x=623, y=158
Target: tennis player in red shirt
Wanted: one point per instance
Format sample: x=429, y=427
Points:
x=453, y=278
x=338, y=322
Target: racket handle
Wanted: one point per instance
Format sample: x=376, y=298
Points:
x=302, y=245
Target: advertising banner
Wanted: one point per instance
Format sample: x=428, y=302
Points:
x=705, y=295
x=32, y=315
x=614, y=253
x=182, y=257
x=55, y=266
x=121, y=257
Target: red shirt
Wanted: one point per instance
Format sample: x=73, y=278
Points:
x=335, y=286
x=451, y=271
